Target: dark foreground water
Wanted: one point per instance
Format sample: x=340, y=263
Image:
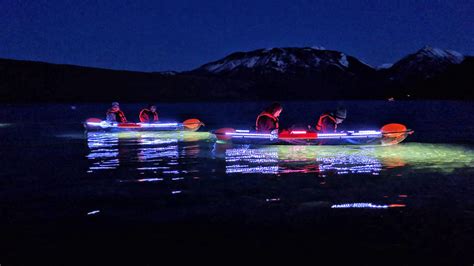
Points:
x=68, y=197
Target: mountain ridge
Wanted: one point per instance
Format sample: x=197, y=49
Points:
x=291, y=73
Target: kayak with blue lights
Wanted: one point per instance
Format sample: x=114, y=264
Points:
x=388, y=135
x=96, y=124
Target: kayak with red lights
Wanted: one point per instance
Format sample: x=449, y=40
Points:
x=96, y=124
x=389, y=135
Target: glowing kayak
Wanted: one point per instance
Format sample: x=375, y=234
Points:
x=389, y=135
x=95, y=124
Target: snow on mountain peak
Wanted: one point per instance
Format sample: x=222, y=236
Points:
x=449, y=55
x=385, y=66
x=279, y=59
x=343, y=60
x=248, y=62
x=425, y=63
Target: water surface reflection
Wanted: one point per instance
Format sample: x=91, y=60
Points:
x=342, y=160
x=176, y=153
x=144, y=152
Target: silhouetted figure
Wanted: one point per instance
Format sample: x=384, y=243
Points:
x=148, y=115
x=114, y=114
x=328, y=121
x=267, y=120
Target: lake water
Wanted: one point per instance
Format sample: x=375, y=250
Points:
x=64, y=191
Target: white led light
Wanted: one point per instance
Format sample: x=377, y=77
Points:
x=160, y=125
x=367, y=133
x=250, y=135
x=329, y=135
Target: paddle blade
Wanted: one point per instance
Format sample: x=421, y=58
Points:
x=221, y=133
x=92, y=123
x=93, y=120
x=394, y=133
x=192, y=124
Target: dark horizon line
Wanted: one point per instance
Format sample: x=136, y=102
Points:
x=184, y=71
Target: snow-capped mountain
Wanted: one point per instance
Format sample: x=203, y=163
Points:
x=311, y=73
x=424, y=64
x=295, y=72
x=282, y=60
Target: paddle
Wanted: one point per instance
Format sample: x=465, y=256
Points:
x=221, y=133
x=97, y=122
x=92, y=121
x=192, y=124
x=394, y=133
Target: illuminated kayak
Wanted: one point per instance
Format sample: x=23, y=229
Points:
x=388, y=135
x=96, y=124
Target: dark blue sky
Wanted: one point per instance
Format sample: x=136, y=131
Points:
x=181, y=35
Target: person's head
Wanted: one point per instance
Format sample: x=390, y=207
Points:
x=340, y=114
x=275, y=109
x=152, y=107
x=115, y=106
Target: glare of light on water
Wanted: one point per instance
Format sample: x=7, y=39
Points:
x=245, y=169
x=5, y=125
x=93, y=212
x=272, y=200
x=363, y=205
x=141, y=180
x=342, y=160
x=103, y=153
x=155, y=150
x=150, y=179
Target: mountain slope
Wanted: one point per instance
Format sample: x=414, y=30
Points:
x=424, y=64
x=431, y=73
x=295, y=73
x=28, y=81
x=281, y=60
x=456, y=82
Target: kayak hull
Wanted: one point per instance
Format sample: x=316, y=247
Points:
x=367, y=137
x=119, y=127
x=346, y=141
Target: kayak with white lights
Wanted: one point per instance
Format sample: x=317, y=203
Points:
x=388, y=135
x=96, y=124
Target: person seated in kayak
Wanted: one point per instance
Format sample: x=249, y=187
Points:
x=328, y=121
x=149, y=114
x=114, y=114
x=267, y=120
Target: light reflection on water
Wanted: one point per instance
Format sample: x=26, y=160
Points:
x=341, y=160
x=178, y=153
x=141, y=151
x=173, y=162
x=300, y=159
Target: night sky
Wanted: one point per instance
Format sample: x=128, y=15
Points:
x=181, y=35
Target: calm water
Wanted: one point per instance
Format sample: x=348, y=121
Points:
x=182, y=190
